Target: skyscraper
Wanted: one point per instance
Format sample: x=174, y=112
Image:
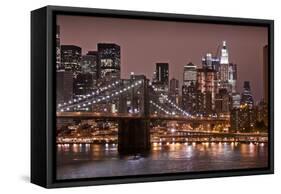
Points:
x=247, y=98
x=232, y=78
x=235, y=101
x=161, y=78
x=174, y=86
x=89, y=64
x=224, y=59
x=242, y=119
x=64, y=86
x=109, y=61
x=162, y=73
x=222, y=101
x=189, y=74
x=224, y=67
x=192, y=99
x=174, y=90
x=211, y=62
x=206, y=79
x=71, y=58
x=83, y=84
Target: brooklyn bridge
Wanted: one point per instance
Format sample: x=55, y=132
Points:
x=148, y=106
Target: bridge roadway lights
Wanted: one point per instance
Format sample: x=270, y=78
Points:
x=133, y=136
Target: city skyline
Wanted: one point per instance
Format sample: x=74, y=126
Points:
x=122, y=97
x=175, y=67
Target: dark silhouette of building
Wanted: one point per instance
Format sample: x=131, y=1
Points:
x=64, y=87
x=247, y=98
x=174, y=91
x=222, y=102
x=242, y=119
x=261, y=115
x=161, y=81
x=192, y=99
x=83, y=84
x=162, y=73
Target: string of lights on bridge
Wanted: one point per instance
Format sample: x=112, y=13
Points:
x=170, y=101
x=102, y=98
x=160, y=108
x=87, y=96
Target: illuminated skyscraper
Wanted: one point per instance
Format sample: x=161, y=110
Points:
x=71, y=58
x=235, y=101
x=211, y=62
x=224, y=65
x=109, y=61
x=206, y=79
x=189, y=74
x=232, y=78
x=224, y=58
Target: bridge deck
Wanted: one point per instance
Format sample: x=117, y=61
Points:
x=116, y=116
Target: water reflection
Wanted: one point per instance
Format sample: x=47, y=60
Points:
x=93, y=160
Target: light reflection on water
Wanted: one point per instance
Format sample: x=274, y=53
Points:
x=93, y=160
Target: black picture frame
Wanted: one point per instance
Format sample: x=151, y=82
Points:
x=43, y=86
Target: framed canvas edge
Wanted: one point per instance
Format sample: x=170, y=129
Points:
x=51, y=181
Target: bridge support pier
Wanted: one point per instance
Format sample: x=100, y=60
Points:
x=133, y=136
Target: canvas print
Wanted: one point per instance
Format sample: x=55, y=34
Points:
x=146, y=97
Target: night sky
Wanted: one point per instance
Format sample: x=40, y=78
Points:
x=145, y=42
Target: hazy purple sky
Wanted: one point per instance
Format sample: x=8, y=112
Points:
x=145, y=42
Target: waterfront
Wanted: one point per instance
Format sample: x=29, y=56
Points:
x=97, y=160
x=188, y=111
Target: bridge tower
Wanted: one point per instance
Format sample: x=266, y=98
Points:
x=134, y=133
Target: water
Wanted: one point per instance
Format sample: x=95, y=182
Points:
x=89, y=161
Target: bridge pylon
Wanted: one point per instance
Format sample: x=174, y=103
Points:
x=134, y=133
